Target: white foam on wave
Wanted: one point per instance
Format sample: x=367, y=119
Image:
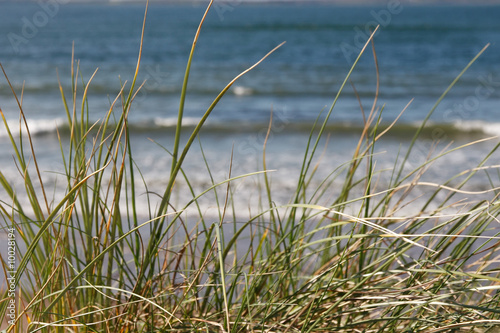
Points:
x=172, y=122
x=489, y=128
x=242, y=91
x=35, y=126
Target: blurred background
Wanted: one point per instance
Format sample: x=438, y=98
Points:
x=420, y=48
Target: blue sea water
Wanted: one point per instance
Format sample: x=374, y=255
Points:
x=419, y=49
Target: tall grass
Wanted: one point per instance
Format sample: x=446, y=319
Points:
x=352, y=263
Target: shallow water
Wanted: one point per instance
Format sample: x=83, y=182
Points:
x=420, y=50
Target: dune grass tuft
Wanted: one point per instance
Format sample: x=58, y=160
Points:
x=356, y=262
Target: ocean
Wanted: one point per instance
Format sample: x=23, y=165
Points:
x=420, y=50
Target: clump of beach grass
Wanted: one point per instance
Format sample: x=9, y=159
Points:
x=352, y=263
